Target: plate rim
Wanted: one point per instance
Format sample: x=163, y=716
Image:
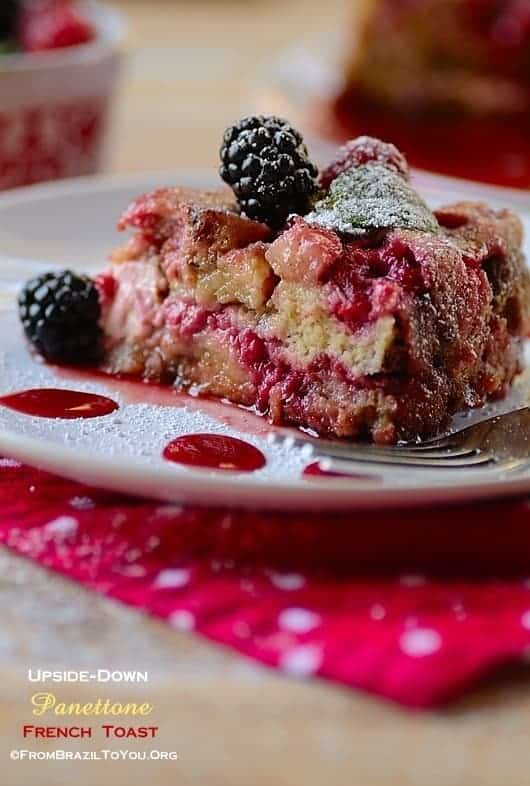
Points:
x=102, y=182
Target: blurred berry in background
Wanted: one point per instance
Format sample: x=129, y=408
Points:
x=41, y=25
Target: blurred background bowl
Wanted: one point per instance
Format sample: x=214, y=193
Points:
x=55, y=105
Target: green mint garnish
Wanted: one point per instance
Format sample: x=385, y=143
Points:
x=371, y=197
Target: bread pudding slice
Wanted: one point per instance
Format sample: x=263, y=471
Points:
x=379, y=336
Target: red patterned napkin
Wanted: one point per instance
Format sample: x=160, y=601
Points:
x=413, y=606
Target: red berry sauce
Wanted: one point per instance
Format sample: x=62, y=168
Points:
x=57, y=403
x=215, y=451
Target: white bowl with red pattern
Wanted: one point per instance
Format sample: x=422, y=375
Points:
x=54, y=106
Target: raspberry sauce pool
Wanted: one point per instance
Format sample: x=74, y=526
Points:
x=59, y=403
x=493, y=150
x=214, y=451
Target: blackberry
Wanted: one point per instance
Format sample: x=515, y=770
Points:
x=60, y=313
x=265, y=162
x=9, y=16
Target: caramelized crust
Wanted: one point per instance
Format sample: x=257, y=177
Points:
x=190, y=228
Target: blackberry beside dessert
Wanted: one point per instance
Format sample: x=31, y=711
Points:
x=60, y=314
x=362, y=315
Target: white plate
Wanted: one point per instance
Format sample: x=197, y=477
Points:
x=73, y=223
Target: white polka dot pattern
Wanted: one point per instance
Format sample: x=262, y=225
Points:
x=406, y=636
x=172, y=578
x=62, y=527
x=302, y=661
x=420, y=642
x=182, y=620
x=297, y=620
x=287, y=581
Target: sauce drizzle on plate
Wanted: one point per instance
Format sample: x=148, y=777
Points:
x=214, y=451
x=59, y=403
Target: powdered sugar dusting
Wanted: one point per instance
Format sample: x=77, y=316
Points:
x=372, y=197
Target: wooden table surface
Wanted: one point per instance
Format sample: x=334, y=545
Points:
x=191, y=70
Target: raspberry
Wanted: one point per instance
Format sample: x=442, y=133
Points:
x=106, y=286
x=365, y=150
x=60, y=314
x=265, y=162
x=53, y=24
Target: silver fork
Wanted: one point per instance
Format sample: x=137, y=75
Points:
x=502, y=441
